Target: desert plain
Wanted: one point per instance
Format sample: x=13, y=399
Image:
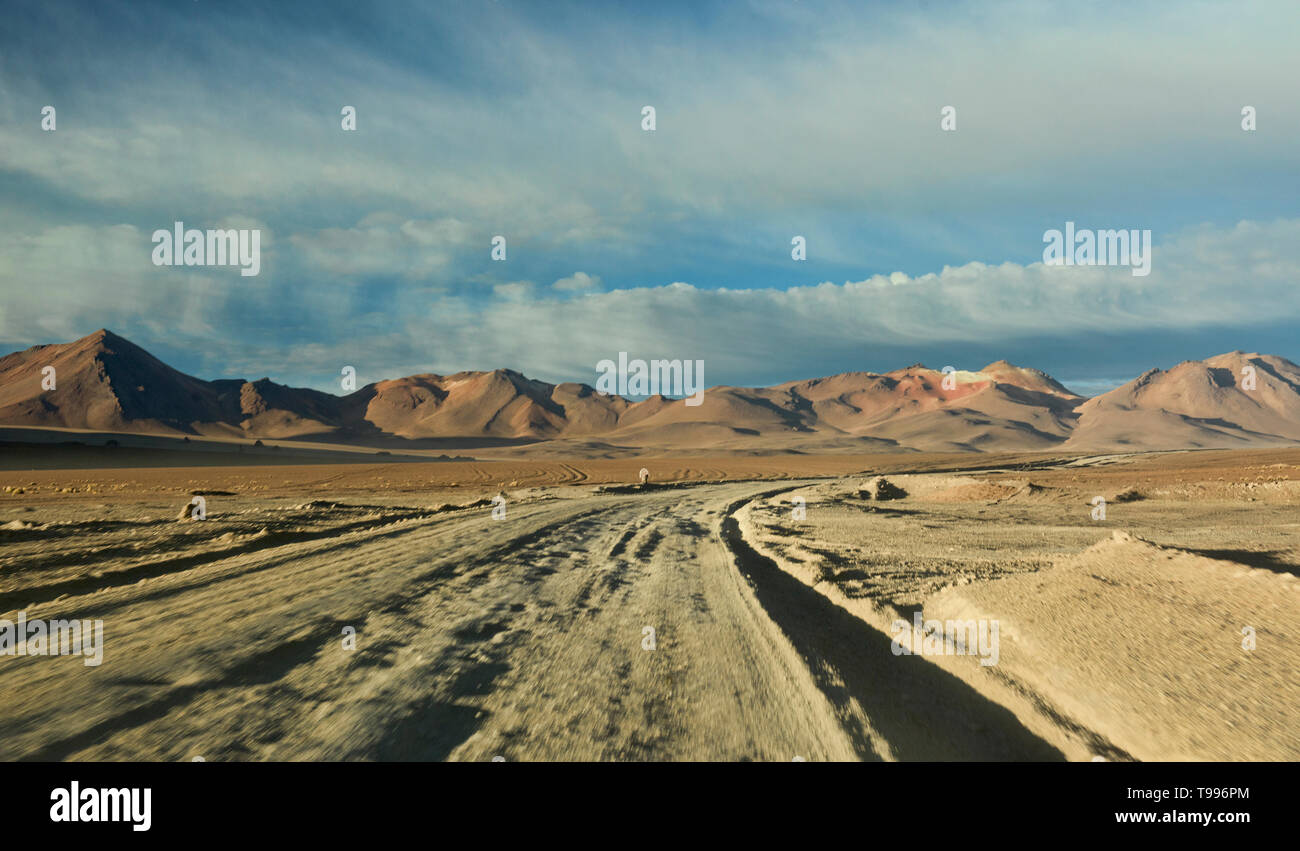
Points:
x=735, y=607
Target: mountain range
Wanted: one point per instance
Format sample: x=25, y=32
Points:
x=104, y=382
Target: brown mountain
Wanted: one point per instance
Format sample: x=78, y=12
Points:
x=501, y=403
x=1196, y=404
x=1001, y=406
x=107, y=383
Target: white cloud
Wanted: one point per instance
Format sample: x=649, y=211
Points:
x=66, y=281
x=835, y=117
x=577, y=282
x=1243, y=275
x=840, y=116
x=515, y=291
x=381, y=246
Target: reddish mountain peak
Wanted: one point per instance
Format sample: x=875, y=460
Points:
x=1026, y=378
x=107, y=382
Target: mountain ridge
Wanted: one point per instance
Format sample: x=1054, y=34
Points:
x=105, y=382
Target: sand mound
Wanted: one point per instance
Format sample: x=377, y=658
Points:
x=975, y=492
x=1034, y=492
x=1148, y=646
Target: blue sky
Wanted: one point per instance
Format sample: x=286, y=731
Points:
x=774, y=119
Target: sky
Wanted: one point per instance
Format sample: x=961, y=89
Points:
x=772, y=120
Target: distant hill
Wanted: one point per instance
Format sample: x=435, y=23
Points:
x=107, y=383
x=1197, y=404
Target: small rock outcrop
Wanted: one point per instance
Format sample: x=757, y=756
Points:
x=881, y=489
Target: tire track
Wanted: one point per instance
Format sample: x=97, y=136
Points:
x=524, y=637
x=897, y=707
x=260, y=659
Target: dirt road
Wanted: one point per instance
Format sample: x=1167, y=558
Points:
x=593, y=626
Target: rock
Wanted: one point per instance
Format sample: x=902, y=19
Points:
x=881, y=489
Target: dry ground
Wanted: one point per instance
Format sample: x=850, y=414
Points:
x=525, y=637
